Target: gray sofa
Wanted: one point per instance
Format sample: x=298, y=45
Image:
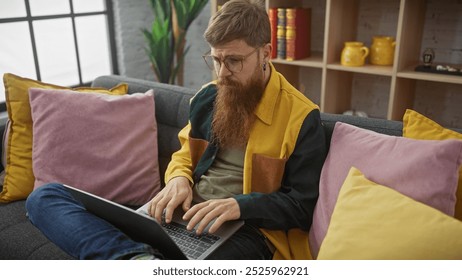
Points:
x=19, y=239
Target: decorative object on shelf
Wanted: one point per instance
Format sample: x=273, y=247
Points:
x=354, y=54
x=428, y=56
x=166, y=41
x=440, y=69
x=382, y=50
x=354, y=112
x=446, y=68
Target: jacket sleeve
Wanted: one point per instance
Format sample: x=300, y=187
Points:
x=201, y=104
x=293, y=204
x=181, y=164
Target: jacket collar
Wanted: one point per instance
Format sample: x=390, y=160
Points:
x=265, y=109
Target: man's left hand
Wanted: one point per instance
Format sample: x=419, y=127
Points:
x=202, y=214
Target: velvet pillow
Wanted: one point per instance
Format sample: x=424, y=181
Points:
x=424, y=170
x=103, y=144
x=418, y=126
x=371, y=221
x=19, y=178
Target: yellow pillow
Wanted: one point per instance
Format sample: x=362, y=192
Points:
x=19, y=177
x=375, y=222
x=417, y=126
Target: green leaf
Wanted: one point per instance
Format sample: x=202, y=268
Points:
x=161, y=45
x=181, y=13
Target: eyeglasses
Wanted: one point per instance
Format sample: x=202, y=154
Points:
x=234, y=63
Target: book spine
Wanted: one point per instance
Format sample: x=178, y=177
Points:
x=273, y=17
x=290, y=44
x=298, y=33
x=291, y=13
x=281, y=33
x=291, y=29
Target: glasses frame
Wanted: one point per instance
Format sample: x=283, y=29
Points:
x=241, y=59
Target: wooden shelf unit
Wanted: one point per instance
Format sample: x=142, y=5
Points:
x=337, y=21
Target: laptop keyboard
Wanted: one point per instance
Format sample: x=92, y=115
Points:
x=192, y=245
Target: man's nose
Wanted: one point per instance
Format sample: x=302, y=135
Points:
x=223, y=71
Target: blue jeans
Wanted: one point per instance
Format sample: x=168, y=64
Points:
x=65, y=221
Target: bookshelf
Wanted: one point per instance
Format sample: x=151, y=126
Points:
x=381, y=91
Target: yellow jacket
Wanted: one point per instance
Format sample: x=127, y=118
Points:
x=282, y=164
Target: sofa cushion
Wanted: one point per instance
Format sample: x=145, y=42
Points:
x=20, y=240
x=417, y=126
x=371, y=221
x=103, y=144
x=425, y=170
x=19, y=177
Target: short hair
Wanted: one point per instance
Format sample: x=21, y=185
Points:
x=240, y=20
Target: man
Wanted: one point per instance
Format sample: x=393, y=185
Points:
x=253, y=150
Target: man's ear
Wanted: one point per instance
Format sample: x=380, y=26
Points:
x=267, y=51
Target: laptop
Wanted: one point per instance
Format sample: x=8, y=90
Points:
x=172, y=240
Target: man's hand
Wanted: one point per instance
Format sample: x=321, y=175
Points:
x=203, y=213
x=177, y=191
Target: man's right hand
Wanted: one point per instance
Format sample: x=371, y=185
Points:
x=177, y=191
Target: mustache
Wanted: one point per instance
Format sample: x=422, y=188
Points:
x=227, y=82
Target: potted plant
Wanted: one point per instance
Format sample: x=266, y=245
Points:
x=166, y=41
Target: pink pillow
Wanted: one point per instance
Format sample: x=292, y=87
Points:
x=424, y=170
x=103, y=144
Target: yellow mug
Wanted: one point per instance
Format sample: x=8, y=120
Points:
x=382, y=50
x=354, y=54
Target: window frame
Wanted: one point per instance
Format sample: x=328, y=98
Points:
x=108, y=12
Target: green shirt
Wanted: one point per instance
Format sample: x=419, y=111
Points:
x=224, y=178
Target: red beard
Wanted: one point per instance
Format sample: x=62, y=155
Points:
x=234, y=110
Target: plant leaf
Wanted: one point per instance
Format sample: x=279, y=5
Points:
x=162, y=45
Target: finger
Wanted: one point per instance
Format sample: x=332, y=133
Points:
x=187, y=204
x=193, y=210
x=157, y=202
x=194, y=215
x=217, y=223
x=151, y=207
x=215, y=217
x=148, y=209
x=169, y=209
x=204, y=222
x=159, y=209
x=204, y=217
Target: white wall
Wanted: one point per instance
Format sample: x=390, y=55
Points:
x=130, y=17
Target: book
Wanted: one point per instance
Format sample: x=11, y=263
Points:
x=273, y=17
x=281, y=33
x=298, y=33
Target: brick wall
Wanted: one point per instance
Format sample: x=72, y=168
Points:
x=443, y=22
x=442, y=32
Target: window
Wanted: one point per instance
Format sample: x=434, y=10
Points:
x=63, y=42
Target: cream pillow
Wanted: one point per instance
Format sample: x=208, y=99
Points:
x=371, y=221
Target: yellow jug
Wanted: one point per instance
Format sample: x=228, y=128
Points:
x=354, y=54
x=382, y=50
